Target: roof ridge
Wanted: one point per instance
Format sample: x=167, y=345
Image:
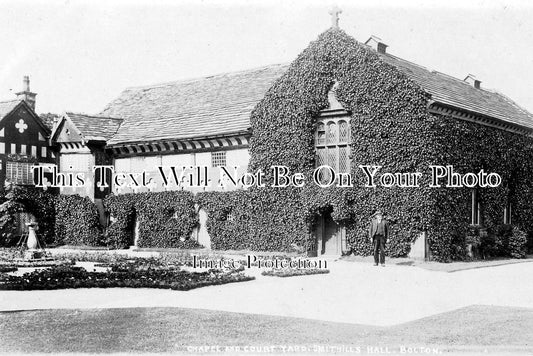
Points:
x=404, y=60
x=448, y=76
x=457, y=79
x=514, y=113
x=9, y=101
x=93, y=116
x=512, y=102
x=433, y=71
x=195, y=79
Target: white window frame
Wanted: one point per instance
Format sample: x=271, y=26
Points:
x=335, y=146
x=19, y=173
x=476, y=209
x=507, y=214
x=218, y=159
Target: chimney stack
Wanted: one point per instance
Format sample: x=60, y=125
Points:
x=26, y=94
x=471, y=79
x=377, y=44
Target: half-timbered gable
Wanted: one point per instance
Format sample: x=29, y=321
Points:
x=23, y=142
x=80, y=140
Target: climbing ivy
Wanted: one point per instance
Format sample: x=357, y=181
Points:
x=390, y=127
x=166, y=219
x=31, y=200
x=265, y=219
x=76, y=221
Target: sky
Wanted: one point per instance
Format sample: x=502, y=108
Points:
x=81, y=54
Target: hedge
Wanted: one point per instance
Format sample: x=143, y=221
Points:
x=166, y=219
x=77, y=221
x=265, y=219
x=62, y=219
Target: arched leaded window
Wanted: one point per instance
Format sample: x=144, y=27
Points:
x=320, y=134
x=344, y=131
x=332, y=141
x=332, y=133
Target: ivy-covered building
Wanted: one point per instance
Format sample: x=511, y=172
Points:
x=340, y=103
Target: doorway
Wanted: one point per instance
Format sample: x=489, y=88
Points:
x=330, y=237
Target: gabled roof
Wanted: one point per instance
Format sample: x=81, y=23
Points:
x=8, y=106
x=210, y=106
x=221, y=104
x=95, y=127
x=91, y=128
x=459, y=94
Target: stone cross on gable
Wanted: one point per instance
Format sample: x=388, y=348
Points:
x=21, y=126
x=334, y=12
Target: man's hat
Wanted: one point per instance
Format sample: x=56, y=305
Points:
x=377, y=213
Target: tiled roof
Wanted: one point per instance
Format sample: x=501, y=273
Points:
x=210, y=106
x=95, y=127
x=222, y=104
x=457, y=93
x=7, y=106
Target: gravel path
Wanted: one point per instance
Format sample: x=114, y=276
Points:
x=353, y=292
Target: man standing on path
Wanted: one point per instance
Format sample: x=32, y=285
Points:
x=379, y=232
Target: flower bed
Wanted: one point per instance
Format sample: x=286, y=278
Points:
x=8, y=268
x=139, y=264
x=291, y=272
x=63, y=277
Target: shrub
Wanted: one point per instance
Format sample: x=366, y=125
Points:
x=32, y=200
x=8, y=211
x=517, y=245
x=488, y=246
x=505, y=241
x=502, y=236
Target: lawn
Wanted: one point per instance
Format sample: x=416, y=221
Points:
x=472, y=329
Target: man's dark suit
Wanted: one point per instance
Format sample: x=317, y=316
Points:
x=379, y=240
